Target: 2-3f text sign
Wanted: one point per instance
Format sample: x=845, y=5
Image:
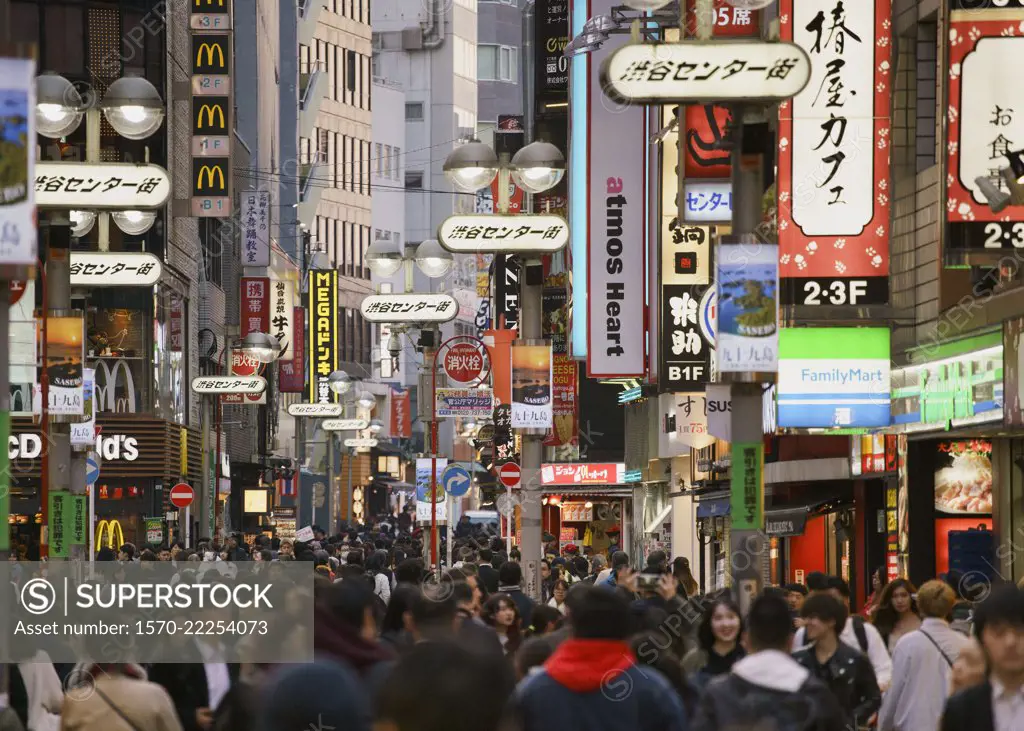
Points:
x=702, y=73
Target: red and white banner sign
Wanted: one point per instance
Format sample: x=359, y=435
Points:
x=176, y=325
x=833, y=162
x=616, y=331
x=291, y=377
x=571, y=473
x=243, y=364
x=563, y=386
x=728, y=22
x=255, y=314
x=401, y=414
x=985, y=121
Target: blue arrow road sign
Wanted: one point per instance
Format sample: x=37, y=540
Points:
x=92, y=470
x=455, y=480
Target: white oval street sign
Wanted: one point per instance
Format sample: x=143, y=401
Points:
x=315, y=410
x=114, y=269
x=344, y=424
x=229, y=384
x=361, y=443
x=107, y=185
x=410, y=307
x=717, y=71
x=544, y=233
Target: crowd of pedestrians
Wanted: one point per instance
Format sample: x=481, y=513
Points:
x=614, y=644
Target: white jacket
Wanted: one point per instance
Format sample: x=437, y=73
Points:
x=44, y=691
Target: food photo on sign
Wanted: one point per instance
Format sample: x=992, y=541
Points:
x=963, y=477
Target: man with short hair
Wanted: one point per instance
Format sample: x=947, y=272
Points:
x=768, y=689
x=592, y=680
x=857, y=633
x=620, y=565
x=998, y=703
x=510, y=578
x=488, y=574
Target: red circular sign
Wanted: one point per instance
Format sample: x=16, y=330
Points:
x=182, y=495
x=464, y=363
x=509, y=474
x=15, y=291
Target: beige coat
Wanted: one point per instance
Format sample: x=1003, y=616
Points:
x=146, y=704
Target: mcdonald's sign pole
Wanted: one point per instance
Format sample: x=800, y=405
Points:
x=211, y=56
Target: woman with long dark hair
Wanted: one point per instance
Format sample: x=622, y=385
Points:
x=896, y=614
x=687, y=584
x=500, y=613
x=718, y=642
x=879, y=579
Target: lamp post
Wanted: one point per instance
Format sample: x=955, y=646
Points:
x=340, y=383
x=537, y=167
x=133, y=107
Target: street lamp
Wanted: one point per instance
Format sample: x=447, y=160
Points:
x=538, y=167
x=595, y=32
x=433, y=259
x=471, y=167
x=82, y=223
x=366, y=400
x=134, y=223
x=133, y=107
x=383, y=258
x=260, y=346
x=339, y=382
x=59, y=106
x=375, y=426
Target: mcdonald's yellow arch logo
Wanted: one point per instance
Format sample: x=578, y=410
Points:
x=209, y=3
x=114, y=534
x=210, y=112
x=210, y=49
x=208, y=173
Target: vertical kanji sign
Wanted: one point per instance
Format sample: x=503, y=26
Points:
x=833, y=159
x=323, y=334
x=255, y=306
x=292, y=376
x=255, y=218
x=282, y=316
x=985, y=122
x=401, y=413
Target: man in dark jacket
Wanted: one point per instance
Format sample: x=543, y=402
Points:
x=998, y=703
x=488, y=574
x=768, y=689
x=846, y=671
x=592, y=680
x=510, y=578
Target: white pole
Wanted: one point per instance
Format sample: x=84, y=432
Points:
x=449, y=504
x=92, y=523
x=188, y=526
x=510, y=521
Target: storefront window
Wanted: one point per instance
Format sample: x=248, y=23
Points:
x=169, y=356
x=116, y=349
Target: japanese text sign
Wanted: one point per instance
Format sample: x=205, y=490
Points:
x=985, y=122
x=114, y=269
x=705, y=72
x=563, y=380
x=65, y=352
x=105, y=185
x=17, y=196
x=401, y=414
x=244, y=364
x=747, y=323
x=707, y=128
x=496, y=233
x=282, y=315
x=833, y=158
x=707, y=202
x=255, y=305
x=583, y=474
x=323, y=333
x=531, y=387
x=747, y=486
x=728, y=22
x=255, y=221
x=475, y=402
x=552, y=35
x=211, y=53
x=411, y=307
x=249, y=385
x=464, y=363
x=686, y=346
x=291, y=377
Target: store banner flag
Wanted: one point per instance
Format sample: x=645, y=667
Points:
x=255, y=218
x=292, y=373
x=64, y=356
x=564, y=384
x=401, y=413
x=255, y=314
x=834, y=377
x=59, y=524
x=83, y=434
x=747, y=486
x=984, y=123
x=532, y=406
x=834, y=192
x=323, y=334
x=747, y=308
x=692, y=420
x=18, y=152
x=282, y=317
x=609, y=181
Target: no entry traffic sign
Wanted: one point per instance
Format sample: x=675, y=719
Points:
x=182, y=495
x=509, y=474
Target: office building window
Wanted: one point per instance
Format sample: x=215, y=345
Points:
x=350, y=70
x=464, y=57
x=385, y=162
x=413, y=111
x=378, y=159
x=398, y=162
x=414, y=179
x=497, y=63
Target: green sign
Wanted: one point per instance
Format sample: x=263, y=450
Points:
x=747, y=486
x=59, y=524
x=5, y=483
x=154, y=531
x=79, y=518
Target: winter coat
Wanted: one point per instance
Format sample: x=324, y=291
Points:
x=44, y=692
x=848, y=674
x=147, y=705
x=921, y=677
x=768, y=691
x=596, y=685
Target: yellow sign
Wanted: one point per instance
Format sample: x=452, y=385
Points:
x=209, y=54
x=209, y=172
x=114, y=534
x=210, y=115
x=183, y=441
x=209, y=3
x=323, y=334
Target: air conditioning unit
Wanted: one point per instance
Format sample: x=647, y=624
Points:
x=412, y=39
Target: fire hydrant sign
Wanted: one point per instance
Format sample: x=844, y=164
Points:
x=464, y=363
x=749, y=71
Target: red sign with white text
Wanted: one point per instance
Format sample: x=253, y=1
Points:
x=243, y=364
x=401, y=414
x=255, y=314
x=706, y=128
x=728, y=22
x=464, y=363
x=571, y=473
x=291, y=377
x=834, y=193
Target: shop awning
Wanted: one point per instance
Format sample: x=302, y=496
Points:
x=392, y=483
x=384, y=446
x=595, y=490
x=713, y=507
x=791, y=519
